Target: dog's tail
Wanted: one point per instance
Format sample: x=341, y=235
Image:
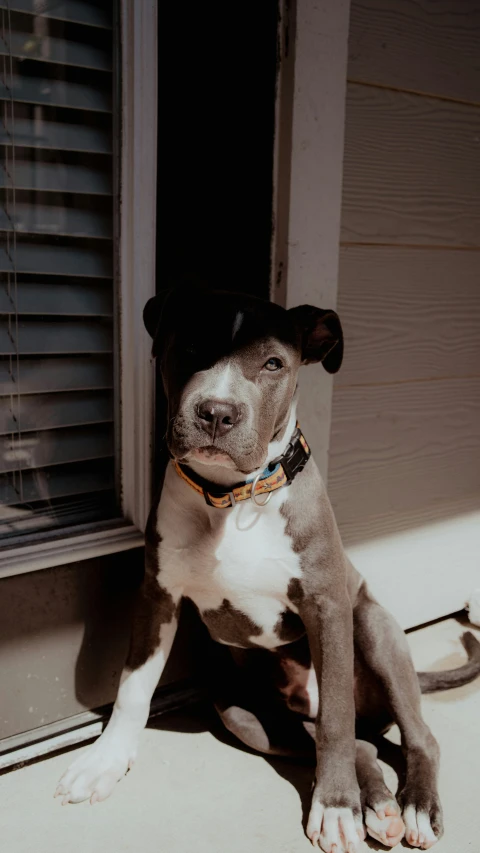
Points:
x=430, y=682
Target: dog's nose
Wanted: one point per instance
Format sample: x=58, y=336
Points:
x=217, y=417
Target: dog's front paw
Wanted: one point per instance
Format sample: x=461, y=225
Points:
x=423, y=824
x=335, y=828
x=94, y=774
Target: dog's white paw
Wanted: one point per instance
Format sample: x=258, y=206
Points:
x=418, y=828
x=94, y=774
x=334, y=830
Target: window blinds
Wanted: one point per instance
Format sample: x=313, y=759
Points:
x=57, y=336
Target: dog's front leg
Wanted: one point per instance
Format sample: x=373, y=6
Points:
x=95, y=773
x=335, y=820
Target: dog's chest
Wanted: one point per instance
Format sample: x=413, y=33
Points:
x=237, y=570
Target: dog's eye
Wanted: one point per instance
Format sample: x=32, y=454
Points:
x=273, y=364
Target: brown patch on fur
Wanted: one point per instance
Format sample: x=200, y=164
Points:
x=295, y=591
x=289, y=627
x=154, y=606
x=228, y=625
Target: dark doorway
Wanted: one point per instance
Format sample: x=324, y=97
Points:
x=217, y=70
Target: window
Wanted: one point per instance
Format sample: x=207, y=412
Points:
x=59, y=389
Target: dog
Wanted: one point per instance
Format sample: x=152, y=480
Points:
x=243, y=527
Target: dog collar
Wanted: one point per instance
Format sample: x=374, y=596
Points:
x=280, y=472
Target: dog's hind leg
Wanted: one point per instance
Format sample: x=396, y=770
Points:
x=243, y=690
x=272, y=731
x=380, y=810
x=246, y=727
x=383, y=647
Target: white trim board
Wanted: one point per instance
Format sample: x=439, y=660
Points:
x=137, y=251
x=423, y=573
x=312, y=199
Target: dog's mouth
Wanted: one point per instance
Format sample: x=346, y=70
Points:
x=210, y=455
x=243, y=455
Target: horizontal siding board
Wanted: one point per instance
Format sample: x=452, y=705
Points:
x=47, y=49
x=55, y=221
x=83, y=299
x=56, y=177
x=411, y=170
x=55, y=93
x=359, y=529
x=401, y=448
x=27, y=412
x=44, y=337
x=421, y=45
x=55, y=447
x=42, y=375
x=61, y=481
x=65, y=261
x=52, y=135
x=75, y=11
x=408, y=314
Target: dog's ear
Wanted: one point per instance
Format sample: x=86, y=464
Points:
x=321, y=336
x=153, y=317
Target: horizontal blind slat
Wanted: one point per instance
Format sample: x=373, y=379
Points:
x=63, y=481
x=52, y=135
x=56, y=177
x=53, y=220
x=82, y=298
x=69, y=510
x=29, y=412
x=57, y=93
x=58, y=260
x=55, y=447
x=47, y=49
x=50, y=337
x=42, y=375
x=73, y=11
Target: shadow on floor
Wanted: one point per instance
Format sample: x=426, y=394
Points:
x=299, y=773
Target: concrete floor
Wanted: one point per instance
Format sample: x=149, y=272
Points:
x=191, y=791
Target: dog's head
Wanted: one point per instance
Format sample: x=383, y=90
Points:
x=229, y=364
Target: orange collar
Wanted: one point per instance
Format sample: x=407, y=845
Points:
x=278, y=473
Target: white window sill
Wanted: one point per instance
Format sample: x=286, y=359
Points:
x=58, y=552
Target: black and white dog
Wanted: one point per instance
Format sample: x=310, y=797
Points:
x=244, y=528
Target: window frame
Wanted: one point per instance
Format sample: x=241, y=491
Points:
x=135, y=248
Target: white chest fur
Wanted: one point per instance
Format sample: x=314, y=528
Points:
x=242, y=556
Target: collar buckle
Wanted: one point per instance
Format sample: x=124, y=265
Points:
x=295, y=457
